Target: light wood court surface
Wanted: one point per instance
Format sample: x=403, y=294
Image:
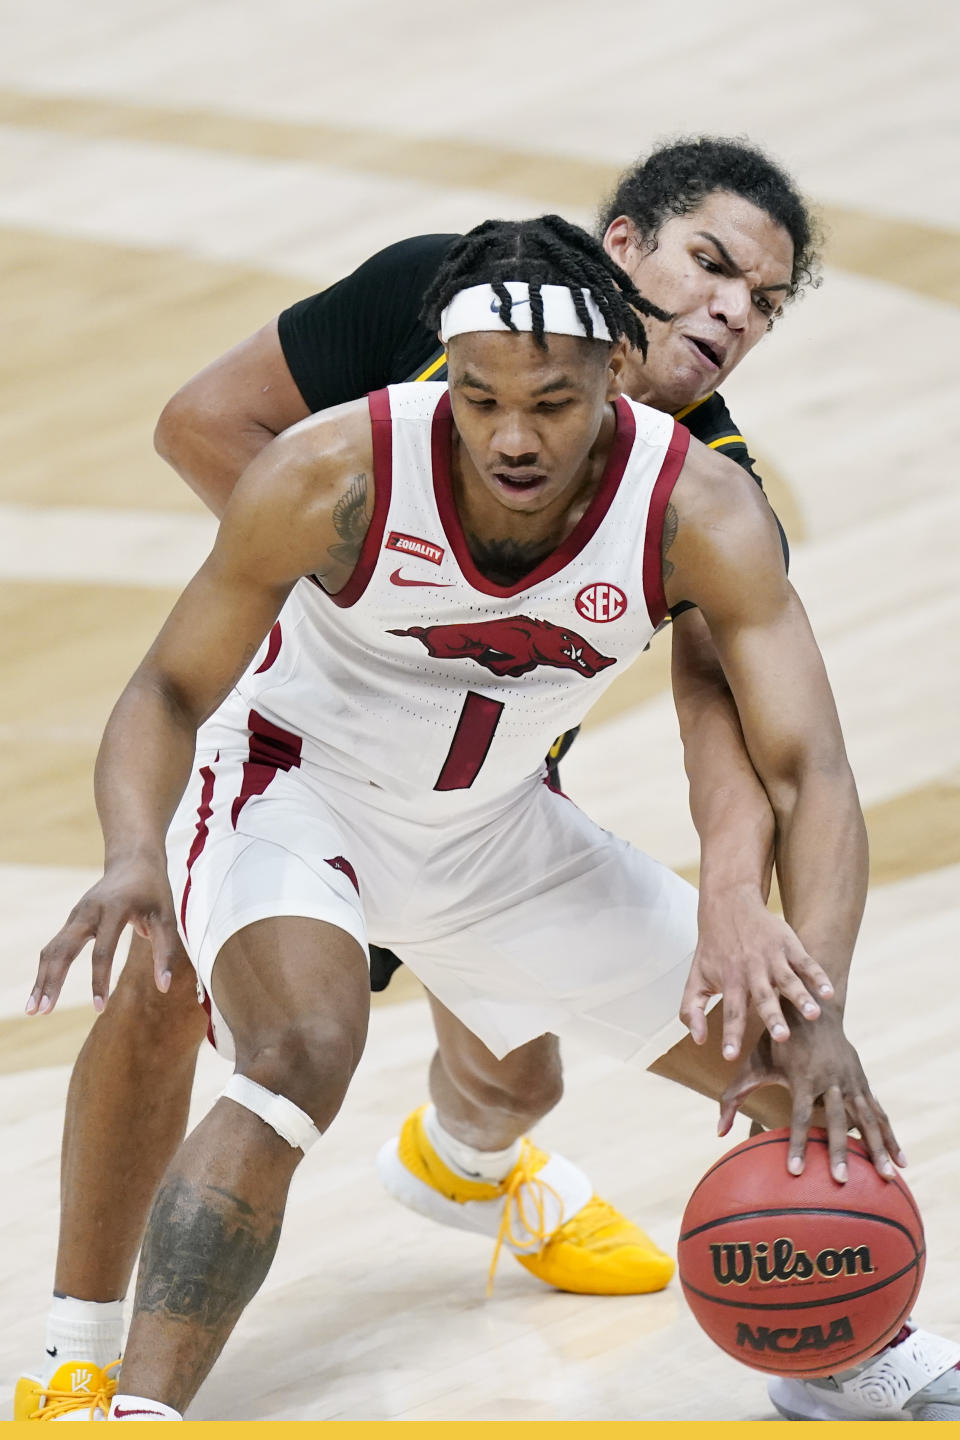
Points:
x=172, y=176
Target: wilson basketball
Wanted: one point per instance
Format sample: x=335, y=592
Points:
x=799, y=1275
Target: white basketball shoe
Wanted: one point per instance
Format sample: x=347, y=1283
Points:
x=915, y=1377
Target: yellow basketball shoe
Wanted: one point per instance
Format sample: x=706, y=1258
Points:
x=76, y=1391
x=544, y=1210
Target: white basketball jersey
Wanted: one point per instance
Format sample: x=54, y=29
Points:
x=428, y=681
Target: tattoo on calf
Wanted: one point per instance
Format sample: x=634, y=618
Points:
x=205, y=1255
x=670, y=526
x=351, y=520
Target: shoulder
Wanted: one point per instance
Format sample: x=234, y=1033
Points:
x=396, y=275
x=714, y=495
x=305, y=470
x=419, y=252
x=364, y=331
x=712, y=424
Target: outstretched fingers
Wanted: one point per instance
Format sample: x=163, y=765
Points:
x=752, y=1075
x=693, y=1005
x=835, y=1111
x=734, y=1020
x=876, y=1136
x=168, y=953
x=810, y=971
x=801, y=1114
x=57, y=956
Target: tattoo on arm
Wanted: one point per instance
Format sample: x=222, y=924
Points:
x=671, y=524
x=351, y=520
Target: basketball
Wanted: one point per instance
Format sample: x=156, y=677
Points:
x=799, y=1275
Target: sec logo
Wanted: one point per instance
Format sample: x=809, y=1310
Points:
x=601, y=602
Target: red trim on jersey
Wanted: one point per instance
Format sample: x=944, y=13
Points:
x=204, y=811
x=584, y=530
x=652, y=540
x=273, y=649
x=271, y=749
x=382, y=430
x=471, y=742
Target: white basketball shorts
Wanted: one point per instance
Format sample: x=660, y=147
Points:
x=525, y=919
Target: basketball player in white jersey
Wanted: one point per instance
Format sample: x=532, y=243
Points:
x=374, y=772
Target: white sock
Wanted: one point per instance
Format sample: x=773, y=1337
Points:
x=138, y=1407
x=83, y=1330
x=490, y=1165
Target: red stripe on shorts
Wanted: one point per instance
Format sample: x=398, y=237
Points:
x=204, y=811
x=271, y=749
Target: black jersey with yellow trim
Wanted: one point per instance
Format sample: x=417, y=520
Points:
x=710, y=422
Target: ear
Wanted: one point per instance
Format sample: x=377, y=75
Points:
x=616, y=369
x=622, y=243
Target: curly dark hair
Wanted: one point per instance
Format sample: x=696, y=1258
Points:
x=678, y=176
x=545, y=251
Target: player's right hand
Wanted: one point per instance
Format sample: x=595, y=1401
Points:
x=132, y=892
x=820, y=1067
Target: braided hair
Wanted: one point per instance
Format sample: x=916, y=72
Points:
x=546, y=251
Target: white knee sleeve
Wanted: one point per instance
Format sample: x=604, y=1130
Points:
x=290, y=1122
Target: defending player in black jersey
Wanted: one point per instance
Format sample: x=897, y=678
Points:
x=717, y=236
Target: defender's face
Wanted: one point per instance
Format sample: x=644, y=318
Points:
x=528, y=417
x=724, y=271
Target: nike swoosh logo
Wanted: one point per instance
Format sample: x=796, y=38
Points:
x=397, y=579
x=495, y=305
x=122, y=1414
x=54, y=1352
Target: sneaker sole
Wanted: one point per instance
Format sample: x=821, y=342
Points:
x=794, y=1403
x=404, y=1186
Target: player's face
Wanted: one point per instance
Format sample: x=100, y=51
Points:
x=723, y=270
x=528, y=418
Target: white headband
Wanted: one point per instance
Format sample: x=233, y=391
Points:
x=478, y=308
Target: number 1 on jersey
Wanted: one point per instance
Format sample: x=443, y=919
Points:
x=471, y=741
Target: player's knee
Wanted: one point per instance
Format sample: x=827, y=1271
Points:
x=310, y=1062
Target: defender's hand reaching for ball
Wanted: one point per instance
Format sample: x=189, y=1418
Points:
x=750, y=956
x=132, y=892
x=817, y=1064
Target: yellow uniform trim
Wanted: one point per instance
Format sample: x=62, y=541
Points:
x=679, y=414
x=726, y=440
x=432, y=369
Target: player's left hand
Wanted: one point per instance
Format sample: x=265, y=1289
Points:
x=750, y=956
x=818, y=1065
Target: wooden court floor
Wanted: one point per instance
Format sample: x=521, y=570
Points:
x=170, y=177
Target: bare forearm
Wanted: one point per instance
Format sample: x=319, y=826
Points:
x=822, y=868
x=729, y=806
x=142, y=770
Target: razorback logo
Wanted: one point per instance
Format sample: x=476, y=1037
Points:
x=511, y=647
